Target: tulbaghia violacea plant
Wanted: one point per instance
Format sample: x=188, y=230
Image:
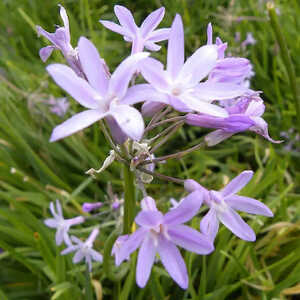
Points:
x=207, y=90
x=223, y=205
x=140, y=37
x=160, y=234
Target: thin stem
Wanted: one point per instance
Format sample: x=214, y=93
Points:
x=164, y=132
x=174, y=155
x=166, y=138
x=88, y=285
x=174, y=119
x=161, y=176
x=285, y=56
x=129, y=199
x=108, y=138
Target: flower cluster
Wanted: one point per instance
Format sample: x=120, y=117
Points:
x=207, y=90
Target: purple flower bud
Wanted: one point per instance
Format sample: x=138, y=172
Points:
x=87, y=207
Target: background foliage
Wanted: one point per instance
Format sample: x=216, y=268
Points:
x=34, y=172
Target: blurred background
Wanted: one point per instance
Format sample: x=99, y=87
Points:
x=34, y=172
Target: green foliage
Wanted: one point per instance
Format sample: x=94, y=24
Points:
x=34, y=172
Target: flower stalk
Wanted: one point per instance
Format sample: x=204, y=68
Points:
x=129, y=199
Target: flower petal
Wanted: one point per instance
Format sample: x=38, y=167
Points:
x=187, y=209
x=203, y=107
x=218, y=91
x=191, y=185
x=237, y=183
x=130, y=245
x=175, y=58
x=46, y=52
x=58, y=208
x=92, y=65
x=143, y=92
x=159, y=35
x=173, y=262
x=53, y=212
x=209, y=224
x=145, y=261
x=52, y=223
x=76, y=123
x=79, y=255
x=96, y=255
x=149, y=218
x=125, y=18
x=116, y=28
x=49, y=36
x=261, y=127
x=216, y=137
x=130, y=121
x=152, y=21
x=59, y=236
x=150, y=108
x=64, y=16
x=256, y=108
x=199, y=64
x=236, y=224
x=190, y=239
x=153, y=71
x=148, y=203
x=117, y=133
x=77, y=87
x=248, y=205
x=119, y=80
x=152, y=46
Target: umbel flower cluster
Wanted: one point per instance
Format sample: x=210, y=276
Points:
x=206, y=90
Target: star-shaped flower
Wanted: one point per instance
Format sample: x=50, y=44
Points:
x=61, y=40
x=223, y=205
x=101, y=95
x=140, y=37
x=160, y=234
x=179, y=85
x=62, y=225
x=84, y=250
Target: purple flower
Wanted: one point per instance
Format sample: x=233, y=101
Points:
x=84, y=250
x=140, y=37
x=59, y=106
x=179, y=85
x=223, y=205
x=62, y=225
x=116, y=204
x=118, y=245
x=250, y=40
x=231, y=69
x=61, y=40
x=101, y=95
x=87, y=207
x=160, y=234
x=221, y=47
x=244, y=114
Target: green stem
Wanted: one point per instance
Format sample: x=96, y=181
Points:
x=285, y=56
x=129, y=199
x=88, y=285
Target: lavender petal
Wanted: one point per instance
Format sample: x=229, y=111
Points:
x=236, y=184
x=248, y=205
x=76, y=123
x=145, y=261
x=173, y=262
x=187, y=209
x=77, y=87
x=175, y=57
x=190, y=239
